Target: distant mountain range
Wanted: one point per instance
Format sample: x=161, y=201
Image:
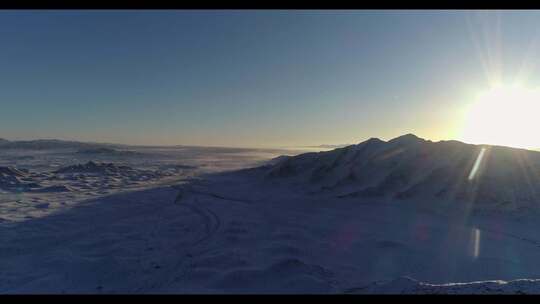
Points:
x=109, y=148
x=409, y=167
x=45, y=144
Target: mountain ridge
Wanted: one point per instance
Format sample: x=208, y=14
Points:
x=409, y=167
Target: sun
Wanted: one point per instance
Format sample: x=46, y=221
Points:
x=504, y=115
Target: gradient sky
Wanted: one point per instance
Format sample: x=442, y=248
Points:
x=252, y=78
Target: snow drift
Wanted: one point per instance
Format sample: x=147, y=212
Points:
x=406, y=285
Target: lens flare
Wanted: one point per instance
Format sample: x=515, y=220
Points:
x=477, y=164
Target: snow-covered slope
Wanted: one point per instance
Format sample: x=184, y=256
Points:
x=409, y=167
x=232, y=234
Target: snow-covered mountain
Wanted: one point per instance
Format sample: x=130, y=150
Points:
x=409, y=167
x=13, y=179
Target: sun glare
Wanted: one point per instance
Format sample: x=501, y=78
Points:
x=504, y=115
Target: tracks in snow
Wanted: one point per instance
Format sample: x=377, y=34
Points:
x=182, y=266
x=211, y=220
x=221, y=197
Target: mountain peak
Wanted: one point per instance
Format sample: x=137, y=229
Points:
x=407, y=138
x=374, y=140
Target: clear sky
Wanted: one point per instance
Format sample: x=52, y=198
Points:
x=253, y=78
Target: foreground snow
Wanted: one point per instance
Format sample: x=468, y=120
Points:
x=229, y=233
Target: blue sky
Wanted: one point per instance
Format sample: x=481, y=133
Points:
x=252, y=78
